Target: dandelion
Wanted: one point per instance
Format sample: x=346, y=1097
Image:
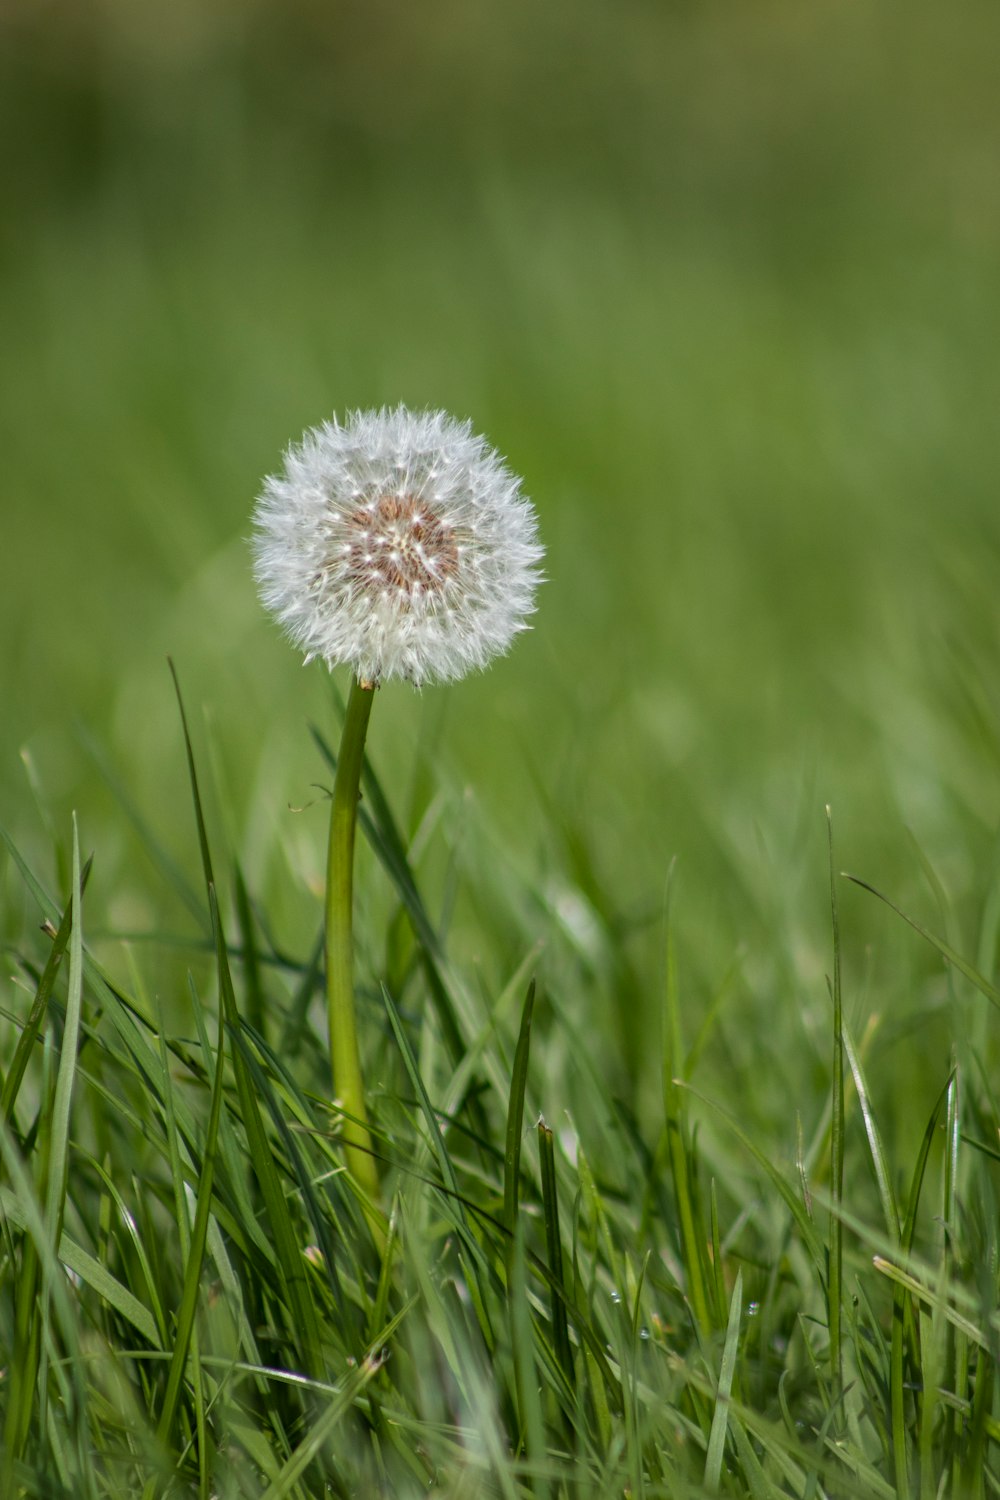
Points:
x=399, y=544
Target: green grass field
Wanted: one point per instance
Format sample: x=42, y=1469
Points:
x=722, y=286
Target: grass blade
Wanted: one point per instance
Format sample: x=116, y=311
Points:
x=29, y=1033
x=301, y=1313
x=720, y=1416
x=553, y=1246
x=199, y=1235
x=946, y=951
x=678, y=1147
x=835, y=1226
x=515, y=1114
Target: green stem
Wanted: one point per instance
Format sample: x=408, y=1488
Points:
x=348, y=1086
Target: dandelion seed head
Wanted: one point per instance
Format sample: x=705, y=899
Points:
x=398, y=543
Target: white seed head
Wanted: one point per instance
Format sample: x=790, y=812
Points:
x=398, y=543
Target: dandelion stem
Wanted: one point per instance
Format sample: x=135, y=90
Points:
x=348, y=1086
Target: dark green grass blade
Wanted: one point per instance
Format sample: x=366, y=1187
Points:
x=835, y=1226
x=417, y=1083
x=917, y=1181
x=300, y=1310
x=67, y=1374
x=515, y=1114
x=320, y=1434
x=132, y=1027
x=32, y=1025
x=41, y=1303
x=946, y=1373
x=251, y=959
x=380, y=1306
x=901, y=1304
x=59, y=1124
x=692, y=1236
x=203, y=845
x=719, y=1278
x=553, y=1250
x=946, y=951
x=531, y=1436
x=199, y=1235
x=974, y=1484
x=125, y=1016
x=350, y=1226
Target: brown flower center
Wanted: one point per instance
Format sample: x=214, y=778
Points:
x=398, y=542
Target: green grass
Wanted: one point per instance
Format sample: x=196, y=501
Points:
x=194, y=1303
x=715, y=1211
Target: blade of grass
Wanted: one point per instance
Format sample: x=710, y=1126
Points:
x=796, y=1208
x=531, y=1437
x=58, y=1145
x=919, y=1289
x=515, y=1114
x=677, y=1143
x=300, y=1309
x=379, y=828
x=91, y=1272
x=321, y=1431
x=835, y=1227
x=199, y=1235
x=876, y=1148
x=553, y=1247
x=720, y=1416
x=29, y=1032
x=251, y=959
x=445, y=1165
x=952, y=1361
x=946, y=951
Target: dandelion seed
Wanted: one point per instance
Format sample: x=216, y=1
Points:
x=428, y=578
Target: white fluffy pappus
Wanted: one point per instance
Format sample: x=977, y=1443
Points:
x=398, y=543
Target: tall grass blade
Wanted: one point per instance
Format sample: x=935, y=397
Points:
x=720, y=1416
x=255, y=1008
x=693, y=1237
x=445, y=1166
x=58, y=1140
x=835, y=1226
x=782, y=1186
x=515, y=1113
x=946, y=951
x=300, y=1311
x=199, y=1236
x=876, y=1147
x=321, y=1432
x=29, y=1032
x=553, y=1247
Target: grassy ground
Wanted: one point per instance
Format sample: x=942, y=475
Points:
x=723, y=288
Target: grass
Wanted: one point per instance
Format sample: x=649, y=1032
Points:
x=687, y=1141
x=195, y=1300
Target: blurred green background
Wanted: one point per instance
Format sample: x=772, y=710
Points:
x=722, y=283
